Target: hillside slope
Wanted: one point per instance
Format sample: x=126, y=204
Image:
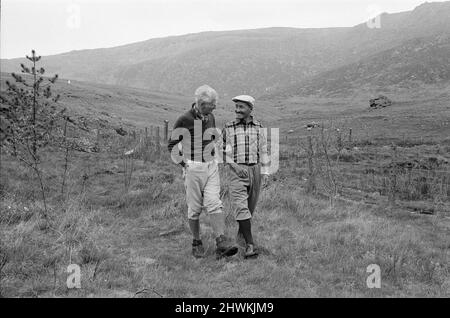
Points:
x=133, y=108
x=248, y=61
x=418, y=62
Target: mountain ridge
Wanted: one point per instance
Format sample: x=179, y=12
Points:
x=259, y=62
x=411, y=64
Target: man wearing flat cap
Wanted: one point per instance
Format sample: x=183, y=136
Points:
x=245, y=153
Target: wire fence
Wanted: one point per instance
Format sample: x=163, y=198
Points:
x=330, y=161
x=333, y=162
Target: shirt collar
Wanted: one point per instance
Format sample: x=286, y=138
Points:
x=242, y=121
x=198, y=114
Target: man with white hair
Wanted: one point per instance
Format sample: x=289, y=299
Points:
x=200, y=171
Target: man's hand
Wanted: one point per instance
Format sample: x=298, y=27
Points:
x=241, y=172
x=265, y=180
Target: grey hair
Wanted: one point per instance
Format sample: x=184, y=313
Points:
x=205, y=94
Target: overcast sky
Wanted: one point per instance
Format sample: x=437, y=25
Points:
x=56, y=26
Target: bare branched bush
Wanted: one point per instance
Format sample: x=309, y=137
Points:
x=329, y=169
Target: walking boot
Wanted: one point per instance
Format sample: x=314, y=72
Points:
x=197, y=249
x=250, y=251
x=225, y=247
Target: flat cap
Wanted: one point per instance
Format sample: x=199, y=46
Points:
x=244, y=98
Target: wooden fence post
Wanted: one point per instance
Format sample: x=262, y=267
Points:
x=98, y=137
x=158, y=141
x=166, y=131
x=145, y=145
x=393, y=177
x=339, y=143
x=311, y=185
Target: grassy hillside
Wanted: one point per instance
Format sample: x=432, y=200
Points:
x=110, y=106
x=416, y=113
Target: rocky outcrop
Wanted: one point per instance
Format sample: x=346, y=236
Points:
x=380, y=102
x=312, y=125
x=121, y=131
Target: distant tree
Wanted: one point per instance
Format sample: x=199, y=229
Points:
x=29, y=116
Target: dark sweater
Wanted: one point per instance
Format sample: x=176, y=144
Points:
x=187, y=121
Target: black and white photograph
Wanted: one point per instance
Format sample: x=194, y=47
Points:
x=224, y=156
